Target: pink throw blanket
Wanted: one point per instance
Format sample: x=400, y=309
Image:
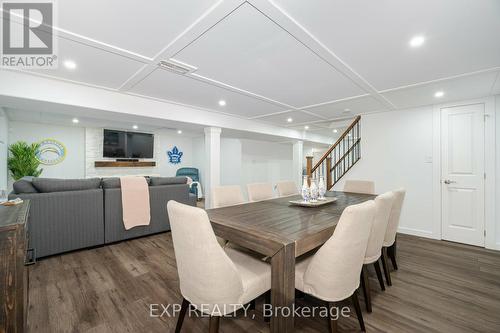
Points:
x=135, y=201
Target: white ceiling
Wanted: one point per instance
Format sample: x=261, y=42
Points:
x=271, y=60
x=249, y=51
x=372, y=36
x=142, y=28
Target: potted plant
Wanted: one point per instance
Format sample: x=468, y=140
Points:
x=22, y=161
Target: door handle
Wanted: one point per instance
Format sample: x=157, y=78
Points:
x=448, y=182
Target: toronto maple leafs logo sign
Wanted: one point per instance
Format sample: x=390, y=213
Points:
x=174, y=156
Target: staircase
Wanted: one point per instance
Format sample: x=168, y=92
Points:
x=340, y=158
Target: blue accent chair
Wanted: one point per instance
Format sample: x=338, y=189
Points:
x=192, y=173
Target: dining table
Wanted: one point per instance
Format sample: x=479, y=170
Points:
x=282, y=232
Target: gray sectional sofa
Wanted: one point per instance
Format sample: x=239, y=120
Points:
x=71, y=214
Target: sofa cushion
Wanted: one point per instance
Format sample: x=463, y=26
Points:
x=156, y=181
x=112, y=182
x=24, y=185
x=47, y=185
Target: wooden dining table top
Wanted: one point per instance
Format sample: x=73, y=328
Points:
x=278, y=221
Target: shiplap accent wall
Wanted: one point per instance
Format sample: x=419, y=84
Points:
x=164, y=140
x=94, y=152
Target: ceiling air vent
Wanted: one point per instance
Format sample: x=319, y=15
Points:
x=176, y=66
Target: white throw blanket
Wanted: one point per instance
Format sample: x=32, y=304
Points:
x=190, y=182
x=135, y=201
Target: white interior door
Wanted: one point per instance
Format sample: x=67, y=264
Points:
x=462, y=174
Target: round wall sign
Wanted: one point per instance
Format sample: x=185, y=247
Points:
x=51, y=152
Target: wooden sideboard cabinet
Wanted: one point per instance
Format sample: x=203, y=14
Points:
x=13, y=270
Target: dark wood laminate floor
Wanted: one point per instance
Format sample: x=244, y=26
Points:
x=439, y=287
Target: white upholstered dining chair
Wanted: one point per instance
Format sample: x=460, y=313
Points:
x=223, y=196
x=216, y=281
x=383, y=206
x=260, y=191
x=332, y=273
x=287, y=188
x=359, y=186
x=389, y=246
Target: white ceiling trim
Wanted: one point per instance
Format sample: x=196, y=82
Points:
x=271, y=114
x=208, y=19
x=294, y=28
x=238, y=90
x=305, y=108
x=333, y=102
x=488, y=70
x=313, y=114
x=313, y=122
x=101, y=45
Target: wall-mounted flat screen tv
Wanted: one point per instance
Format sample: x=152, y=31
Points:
x=120, y=144
x=140, y=145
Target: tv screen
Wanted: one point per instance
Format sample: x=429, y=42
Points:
x=140, y=145
x=115, y=144
x=120, y=144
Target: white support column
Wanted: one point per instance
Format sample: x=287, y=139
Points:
x=298, y=162
x=212, y=162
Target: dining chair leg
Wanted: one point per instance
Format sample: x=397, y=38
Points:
x=267, y=300
x=376, y=264
x=182, y=314
x=357, y=308
x=365, y=283
x=332, y=321
x=386, y=267
x=299, y=294
x=391, y=251
x=214, y=324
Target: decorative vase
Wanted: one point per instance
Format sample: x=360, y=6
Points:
x=314, y=190
x=305, y=190
x=321, y=189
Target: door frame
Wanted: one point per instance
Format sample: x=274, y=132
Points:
x=489, y=168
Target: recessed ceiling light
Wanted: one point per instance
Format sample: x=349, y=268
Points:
x=75, y=121
x=438, y=94
x=222, y=102
x=289, y=120
x=135, y=127
x=417, y=41
x=69, y=64
x=179, y=131
x=306, y=127
x=335, y=131
x=347, y=110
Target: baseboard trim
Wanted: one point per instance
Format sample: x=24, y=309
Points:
x=417, y=232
